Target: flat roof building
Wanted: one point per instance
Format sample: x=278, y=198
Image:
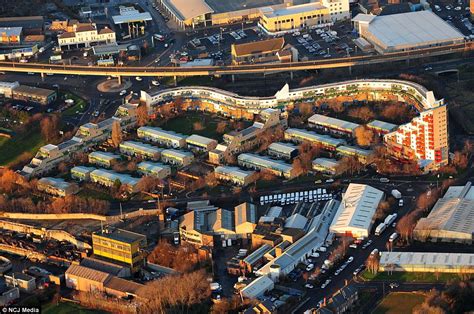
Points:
x=276, y=167
x=200, y=143
x=406, y=31
x=451, y=219
x=11, y=35
x=57, y=187
x=109, y=178
x=427, y=262
x=23, y=281
x=301, y=135
x=363, y=155
x=245, y=219
x=354, y=217
x=258, y=287
x=381, y=127
x=104, y=159
x=38, y=95
x=333, y=125
x=162, y=137
x=293, y=18
x=81, y=173
x=143, y=150
x=176, y=157
x=325, y=165
x=6, y=88
x=155, y=169
x=234, y=175
x=121, y=246
x=282, y=150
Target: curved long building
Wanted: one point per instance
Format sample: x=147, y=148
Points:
x=424, y=138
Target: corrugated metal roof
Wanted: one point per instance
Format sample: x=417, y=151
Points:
x=87, y=273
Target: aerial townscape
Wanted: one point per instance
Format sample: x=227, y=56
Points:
x=237, y=156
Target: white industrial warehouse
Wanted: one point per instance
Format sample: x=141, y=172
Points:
x=427, y=262
x=405, y=31
x=355, y=214
x=451, y=219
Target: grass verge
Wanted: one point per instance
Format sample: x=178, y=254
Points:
x=409, y=276
x=27, y=142
x=399, y=302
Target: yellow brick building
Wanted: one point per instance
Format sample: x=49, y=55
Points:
x=294, y=17
x=121, y=246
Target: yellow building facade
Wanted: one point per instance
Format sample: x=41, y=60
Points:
x=120, y=246
x=294, y=17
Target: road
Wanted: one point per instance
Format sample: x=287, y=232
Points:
x=233, y=69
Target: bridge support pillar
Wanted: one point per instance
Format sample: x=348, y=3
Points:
x=291, y=75
x=408, y=61
x=175, y=80
x=42, y=76
x=233, y=78
x=350, y=70
x=119, y=79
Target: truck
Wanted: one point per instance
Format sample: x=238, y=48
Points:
x=396, y=194
x=393, y=237
x=390, y=219
x=380, y=228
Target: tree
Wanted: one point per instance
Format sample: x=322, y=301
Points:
x=363, y=113
x=364, y=136
x=142, y=115
x=198, y=126
x=116, y=134
x=49, y=126
x=177, y=294
x=373, y=263
x=221, y=127
x=148, y=184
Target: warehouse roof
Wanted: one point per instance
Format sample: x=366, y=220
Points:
x=87, y=273
x=256, y=255
x=129, y=16
x=454, y=212
x=382, y=125
x=257, y=287
x=333, y=123
x=82, y=169
x=427, y=258
x=29, y=90
x=269, y=45
x=296, y=221
x=410, y=28
x=126, y=286
x=188, y=9
x=101, y=265
x=357, y=208
x=353, y=150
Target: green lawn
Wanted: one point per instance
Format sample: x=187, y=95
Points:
x=399, y=302
x=67, y=308
x=29, y=141
x=409, y=276
x=185, y=124
x=96, y=194
x=79, y=105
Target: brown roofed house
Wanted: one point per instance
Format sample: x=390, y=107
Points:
x=262, y=51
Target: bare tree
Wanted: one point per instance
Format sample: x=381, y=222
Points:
x=116, y=134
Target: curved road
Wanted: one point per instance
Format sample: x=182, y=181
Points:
x=234, y=69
